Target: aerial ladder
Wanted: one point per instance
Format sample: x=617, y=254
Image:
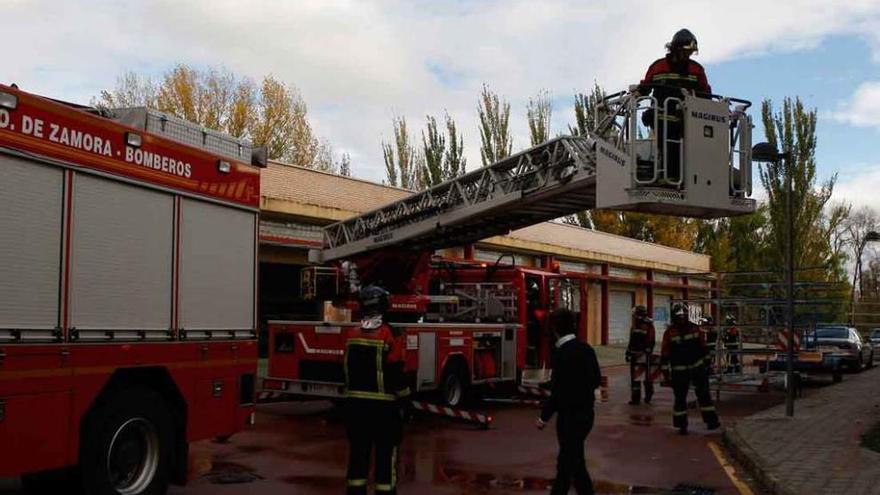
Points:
x=616, y=166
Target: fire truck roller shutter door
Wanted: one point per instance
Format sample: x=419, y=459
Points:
x=620, y=316
x=30, y=243
x=216, y=267
x=121, y=233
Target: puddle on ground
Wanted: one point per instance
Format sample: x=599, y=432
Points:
x=486, y=481
x=230, y=473
x=641, y=419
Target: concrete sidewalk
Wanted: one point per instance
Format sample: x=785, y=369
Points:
x=818, y=451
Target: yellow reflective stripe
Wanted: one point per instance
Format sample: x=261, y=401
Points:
x=679, y=413
x=357, y=482
x=366, y=342
x=394, y=466
x=380, y=373
x=360, y=394
x=636, y=330
x=707, y=408
x=672, y=76
x=383, y=488
x=404, y=393
x=696, y=364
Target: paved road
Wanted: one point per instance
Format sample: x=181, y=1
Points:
x=300, y=448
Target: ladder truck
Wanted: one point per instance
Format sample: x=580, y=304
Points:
x=475, y=325
x=128, y=262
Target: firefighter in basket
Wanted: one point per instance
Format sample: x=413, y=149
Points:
x=665, y=79
x=375, y=394
x=684, y=351
x=638, y=355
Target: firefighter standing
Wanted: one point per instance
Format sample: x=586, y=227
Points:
x=638, y=354
x=684, y=350
x=665, y=78
x=374, y=386
x=732, y=344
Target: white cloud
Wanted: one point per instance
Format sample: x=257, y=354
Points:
x=863, y=108
x=860, y=187
x=358, y=62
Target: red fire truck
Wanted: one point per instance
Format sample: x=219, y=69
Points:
x=475, y=325
x=128, y=243
x=468, y=325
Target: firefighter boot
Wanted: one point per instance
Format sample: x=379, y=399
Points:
x=636, y=393
x=649, y=391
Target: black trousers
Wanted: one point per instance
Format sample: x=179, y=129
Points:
x=681, y=382
x=639, y=361
x=572, y=428
x=372, y=424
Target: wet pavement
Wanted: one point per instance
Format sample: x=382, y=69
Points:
x=300, y=448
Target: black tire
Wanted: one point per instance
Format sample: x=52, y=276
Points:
x=837, y=377
x=127, y=444
x=870, y=363
x=454, y=385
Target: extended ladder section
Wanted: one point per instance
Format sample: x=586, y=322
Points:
x=566, y=175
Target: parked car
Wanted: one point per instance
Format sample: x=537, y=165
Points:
x=845, y=343
x=874, y=338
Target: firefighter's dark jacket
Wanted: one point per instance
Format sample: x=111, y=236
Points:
x=683, y=347
x=374, y=364
x=689, y=75
x=575, y=378
x=642, y=336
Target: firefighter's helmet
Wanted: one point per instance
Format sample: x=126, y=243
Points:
x=730, y=319
x=683, y=40
x=640, y=311
x=680, y=310
x=374, y=300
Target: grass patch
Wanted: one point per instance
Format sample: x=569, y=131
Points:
x=871, y=438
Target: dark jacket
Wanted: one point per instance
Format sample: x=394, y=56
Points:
x=575, y=378
x=689, y=75
x=684, y=346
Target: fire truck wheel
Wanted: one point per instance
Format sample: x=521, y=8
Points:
x=454, y=385
x=126, y=445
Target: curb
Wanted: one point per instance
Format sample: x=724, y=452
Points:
x=750, y=460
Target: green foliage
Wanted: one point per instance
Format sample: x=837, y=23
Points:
x=443, y=154
x=494, y=127
x=403, y=163
x=539, y=111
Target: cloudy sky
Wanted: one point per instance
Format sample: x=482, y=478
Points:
x=359, y=62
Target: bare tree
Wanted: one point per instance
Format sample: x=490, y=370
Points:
x=857, y=226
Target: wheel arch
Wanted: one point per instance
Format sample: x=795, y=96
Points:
x=158, y=379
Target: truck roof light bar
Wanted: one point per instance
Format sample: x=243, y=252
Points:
x=8, y=101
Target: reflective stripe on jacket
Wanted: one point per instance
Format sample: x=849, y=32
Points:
x=374, y=361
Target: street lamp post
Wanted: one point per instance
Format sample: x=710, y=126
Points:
x=766, y=152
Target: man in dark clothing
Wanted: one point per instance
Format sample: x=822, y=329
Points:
x=573, y=384
x=638, y=353
x=684, y=350
x=375, y=386
x=666, y=77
